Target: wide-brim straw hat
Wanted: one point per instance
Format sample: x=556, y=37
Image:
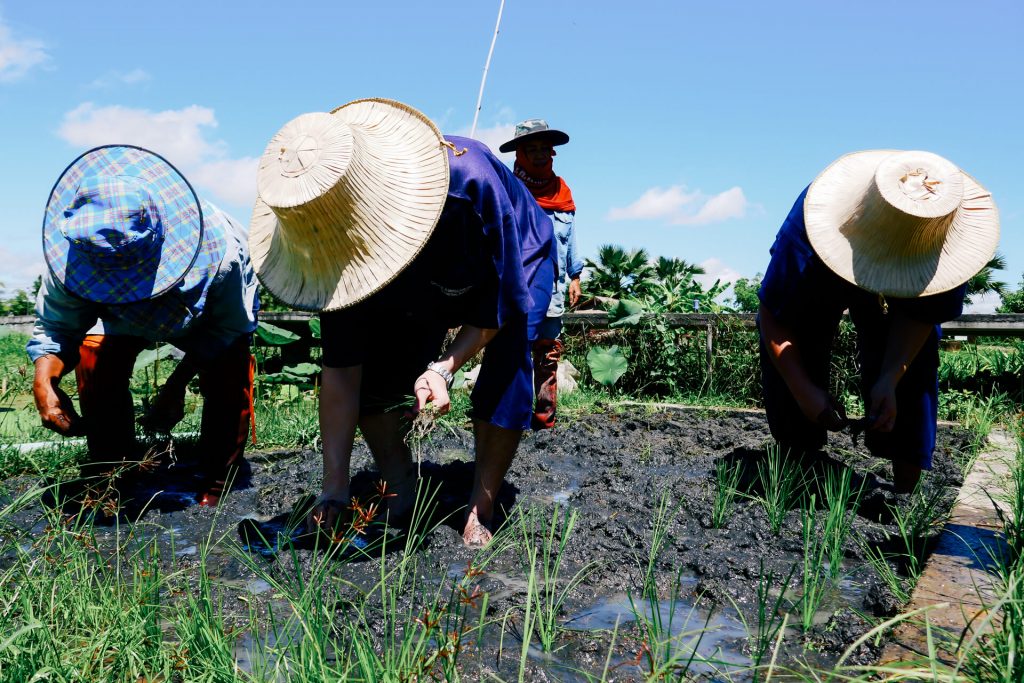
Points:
x=901, y=223
x=346, y=201
x=122, y=225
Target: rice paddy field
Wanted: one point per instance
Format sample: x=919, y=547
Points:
x=637, y=543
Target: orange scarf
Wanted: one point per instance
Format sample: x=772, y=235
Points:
x=548, y=189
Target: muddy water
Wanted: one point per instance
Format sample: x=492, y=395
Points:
x=612, y=468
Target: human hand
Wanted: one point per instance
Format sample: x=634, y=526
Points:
x=575, y=291
x=430, y=387
x=882, y=409
x=56, y=410
x=833, y=417
x=822, y=409
x=167, y=410
x=328, y=515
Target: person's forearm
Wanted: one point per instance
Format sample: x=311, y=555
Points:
x=339, y=415
x=784, y=355
x=906, y=338
x=467, y=343
x=183, y=372
x=48, y=371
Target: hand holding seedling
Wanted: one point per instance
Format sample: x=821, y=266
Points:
x=430, y=387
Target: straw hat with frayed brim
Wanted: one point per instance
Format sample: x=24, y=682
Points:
x=346, y=201
x=902, y=224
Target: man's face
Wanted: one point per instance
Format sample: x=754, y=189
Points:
x=539, y=152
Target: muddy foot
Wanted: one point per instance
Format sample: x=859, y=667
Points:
x=475, y=534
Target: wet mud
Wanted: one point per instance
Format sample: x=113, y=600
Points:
x=614, y=468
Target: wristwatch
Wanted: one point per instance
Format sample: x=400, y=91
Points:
x=441, y=370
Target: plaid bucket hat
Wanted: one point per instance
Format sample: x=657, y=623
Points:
x=123, y=226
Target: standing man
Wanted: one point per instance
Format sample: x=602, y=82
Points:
x=398, y=234
x=135, y=257
x=893, y=237
x=534, y=144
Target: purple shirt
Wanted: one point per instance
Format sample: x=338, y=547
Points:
x=519, y=231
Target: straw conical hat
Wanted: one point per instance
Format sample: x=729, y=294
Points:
x=903, y=224
x=345, y=202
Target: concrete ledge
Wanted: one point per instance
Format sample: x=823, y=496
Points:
x=956, y=582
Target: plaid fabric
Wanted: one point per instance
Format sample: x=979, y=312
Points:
x=122, y=225
x=170, y=314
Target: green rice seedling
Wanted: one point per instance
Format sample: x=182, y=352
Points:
x=884, y=569
x=842, y=501
x=403, y=627
x=815, y=579
x=769, y=619
x=926, y=667
x=979, y=417
x=915, y=523
x=664, y=652
x=549, y=596
x=782, y=483
x=727, y=480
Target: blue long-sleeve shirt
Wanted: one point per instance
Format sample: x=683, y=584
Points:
x=570, y=265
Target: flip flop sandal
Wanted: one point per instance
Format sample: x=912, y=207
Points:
x=211, y=495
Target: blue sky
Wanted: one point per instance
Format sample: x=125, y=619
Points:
x=694, y=125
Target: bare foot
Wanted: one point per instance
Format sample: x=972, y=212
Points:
x=475, y=534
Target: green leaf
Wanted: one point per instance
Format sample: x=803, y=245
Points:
x=302, y=369
x=273, y=335
x=150, y=356
x=286, y=378
x=626, y=313
x=607, y=364
x=314, y=327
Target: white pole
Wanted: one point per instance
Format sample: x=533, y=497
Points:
x=487, y=65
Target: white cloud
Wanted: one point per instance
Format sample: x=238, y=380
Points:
x=180, y=135
x=656, y=203
x=18, y=56
x=716, y=269
x=678, y=206
x=234, y=180
x=986, y=303
x=19, y=268
x=114, y=78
